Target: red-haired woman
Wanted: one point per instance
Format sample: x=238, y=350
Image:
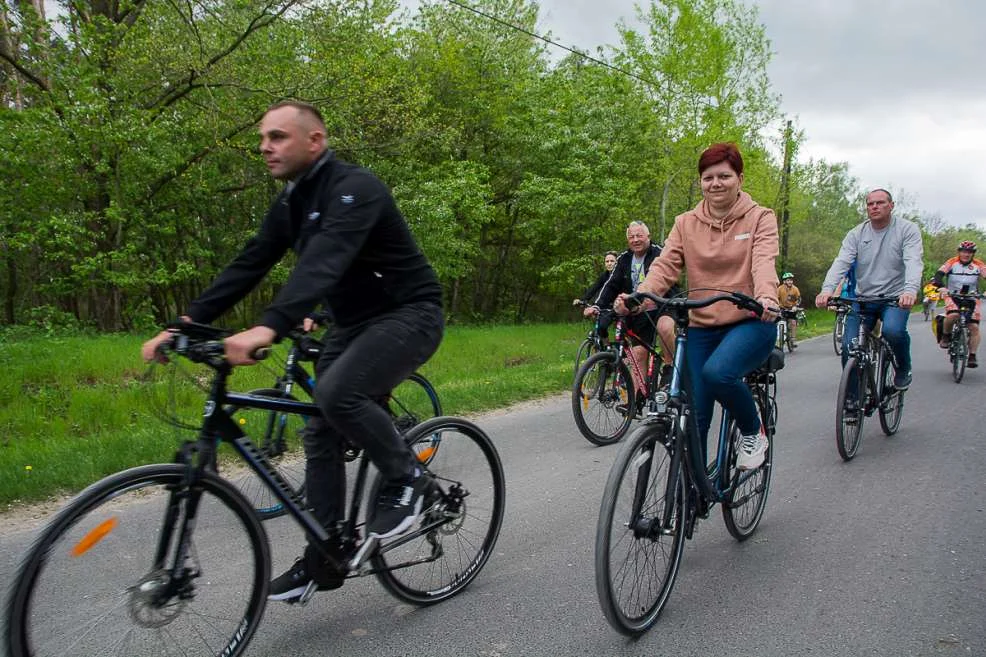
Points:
x=727, y=242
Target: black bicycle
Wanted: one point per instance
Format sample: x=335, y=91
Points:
x=659, y=485
x=278, y=434
x=958, y=339
x=867, y=383
x=604, y=398
x=594, y=341
x=171, y=559
x=839, y=329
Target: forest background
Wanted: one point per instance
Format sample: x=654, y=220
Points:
x=132, y=175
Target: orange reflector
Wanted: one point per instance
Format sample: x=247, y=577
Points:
x=95, y=535
x=426, y=454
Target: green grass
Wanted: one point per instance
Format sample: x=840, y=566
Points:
x=75, y=409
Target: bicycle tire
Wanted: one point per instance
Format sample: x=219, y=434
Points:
x=413, y=401
x=603, y=399
x=849, y=426
x=892, y=405
x=87, y=585
x=837, y=332
x=279, y=438
x=438, y=564
x=746, y=499
x=781, y=334
x=959, y=352
x=586, y=349
x=637, y=561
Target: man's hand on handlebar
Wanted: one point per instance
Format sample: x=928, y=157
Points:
x=907, y=300
x=590, y=311
x=243, y=346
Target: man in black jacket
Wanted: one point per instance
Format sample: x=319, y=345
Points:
x=631, y=268
x=355, y=256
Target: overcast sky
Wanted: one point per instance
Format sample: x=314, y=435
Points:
x=895, y=88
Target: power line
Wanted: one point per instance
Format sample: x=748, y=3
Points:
x=548, y=41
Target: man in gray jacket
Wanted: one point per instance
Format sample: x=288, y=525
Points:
x=888, y=254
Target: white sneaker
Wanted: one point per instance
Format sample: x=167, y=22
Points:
x=751, y=451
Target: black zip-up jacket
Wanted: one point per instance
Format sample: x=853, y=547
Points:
x=620, y=279
x=356, y=254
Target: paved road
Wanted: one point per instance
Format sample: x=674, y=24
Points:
x=885, y=555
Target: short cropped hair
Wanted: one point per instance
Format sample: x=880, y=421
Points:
x=638, y=223
x=721, y=152
x=301, y=106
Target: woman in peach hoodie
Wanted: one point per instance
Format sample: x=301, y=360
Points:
x=727, y=242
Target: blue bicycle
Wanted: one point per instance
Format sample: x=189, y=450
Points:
x=659, y=485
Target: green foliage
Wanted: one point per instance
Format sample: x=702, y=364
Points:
x=75, y=409
x=132, y=176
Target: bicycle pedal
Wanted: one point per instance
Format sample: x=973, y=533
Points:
x=307, y=594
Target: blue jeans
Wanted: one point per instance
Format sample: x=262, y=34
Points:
x=894, y=331
x=717, y=359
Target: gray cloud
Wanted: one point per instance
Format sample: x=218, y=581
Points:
x=897, y=89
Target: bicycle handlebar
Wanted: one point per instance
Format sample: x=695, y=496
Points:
x=203, y=343
x=842, y=302
x=681, y=305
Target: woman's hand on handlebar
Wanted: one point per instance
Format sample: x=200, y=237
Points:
x=243, y=346
x=770, y=310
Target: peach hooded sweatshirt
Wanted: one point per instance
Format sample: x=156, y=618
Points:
x=735, y=253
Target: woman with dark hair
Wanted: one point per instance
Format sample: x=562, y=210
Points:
x=609, y=262
x=727, y=242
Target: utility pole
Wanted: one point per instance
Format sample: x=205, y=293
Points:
x=785, y=195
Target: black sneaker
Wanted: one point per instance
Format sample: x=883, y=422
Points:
x=398, y=506
x=972, y=361
x=310, y=570
x=902, y=380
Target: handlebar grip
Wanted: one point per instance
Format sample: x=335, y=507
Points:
x=261, y=354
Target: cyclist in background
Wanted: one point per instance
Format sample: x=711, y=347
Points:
x=356, y=256
x=609, y=262
x=631, y=267
x=963, y=270
x=789, y=297
x=931, y=296
x=887, y=253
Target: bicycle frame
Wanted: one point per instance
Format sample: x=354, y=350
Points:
x=218, y=426
x=712, y=483
x=622, y=337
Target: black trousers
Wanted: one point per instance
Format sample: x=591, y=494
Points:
x=359, y=365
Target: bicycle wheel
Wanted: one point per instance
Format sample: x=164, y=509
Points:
x=892, y=405
x=746, y=497
x=461, y=520
x=278, y=435
x=637, y=555
x=837, y=331
x=413, y=401
x=959, y=352
x=94, y=583
x=849, y=421
x=603, y=399
x=586, y=349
